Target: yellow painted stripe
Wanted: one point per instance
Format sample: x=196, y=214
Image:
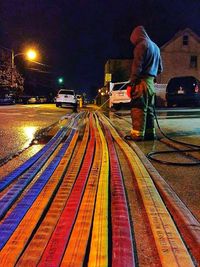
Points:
x=15, y=245
x=171, y=249
x=99, y=243
x=34, y=251
x=76, y=248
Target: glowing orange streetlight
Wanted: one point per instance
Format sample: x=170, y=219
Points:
x=31, y=54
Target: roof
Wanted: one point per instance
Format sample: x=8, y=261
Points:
x=181, y=33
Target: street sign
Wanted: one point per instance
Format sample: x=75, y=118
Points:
x=108, y=77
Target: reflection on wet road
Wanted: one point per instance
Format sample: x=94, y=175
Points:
x=20, y=123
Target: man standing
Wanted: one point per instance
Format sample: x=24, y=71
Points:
x=146, y=66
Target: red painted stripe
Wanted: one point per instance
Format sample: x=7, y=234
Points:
x=122, y=246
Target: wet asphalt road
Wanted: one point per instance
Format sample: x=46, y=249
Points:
x=20, y=123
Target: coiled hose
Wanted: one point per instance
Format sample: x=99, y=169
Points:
x=151, y=155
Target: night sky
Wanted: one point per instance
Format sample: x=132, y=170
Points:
x=77, y=37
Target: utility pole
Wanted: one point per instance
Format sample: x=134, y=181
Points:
x=12, y=67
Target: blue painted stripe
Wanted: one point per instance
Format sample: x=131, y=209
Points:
x=15, y=191
x=9, y=225
x=22, y=168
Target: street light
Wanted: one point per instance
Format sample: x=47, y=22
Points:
x=30, y=55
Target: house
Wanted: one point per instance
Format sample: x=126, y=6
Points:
x=180, y=56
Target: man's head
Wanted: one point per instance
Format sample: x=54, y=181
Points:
x=138, y=34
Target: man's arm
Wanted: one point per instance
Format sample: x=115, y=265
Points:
x=138, y=60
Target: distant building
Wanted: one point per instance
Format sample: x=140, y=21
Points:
x=117, y=70
x=180, y=56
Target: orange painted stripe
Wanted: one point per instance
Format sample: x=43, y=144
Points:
x=55, y=248
x=76, y=248
x=34, y=251
x=15, y=245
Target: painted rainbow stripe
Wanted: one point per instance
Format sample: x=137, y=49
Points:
x=76, y=212
x=170, y=246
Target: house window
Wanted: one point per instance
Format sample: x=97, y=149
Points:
x=193, y=62
x=185, y=40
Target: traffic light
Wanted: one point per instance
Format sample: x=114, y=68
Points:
x=60, y=80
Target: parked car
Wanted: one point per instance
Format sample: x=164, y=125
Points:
x=23, y=99
x=7, y=100
x=42, y=99
x=66, y=98
x=6, y=96
x=118, y=95
x=183, y=91
x=33, y=100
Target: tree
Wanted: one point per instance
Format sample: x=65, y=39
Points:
x=10, y=78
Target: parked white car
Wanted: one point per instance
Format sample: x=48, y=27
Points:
x=66, y=98
x=119, y=97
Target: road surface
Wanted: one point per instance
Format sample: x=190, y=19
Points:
x=90, y=198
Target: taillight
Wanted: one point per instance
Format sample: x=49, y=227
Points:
x=129, y=91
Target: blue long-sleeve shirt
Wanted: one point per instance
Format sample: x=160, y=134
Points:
x=147, y=60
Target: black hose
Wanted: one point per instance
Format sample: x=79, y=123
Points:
x=153, y=153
